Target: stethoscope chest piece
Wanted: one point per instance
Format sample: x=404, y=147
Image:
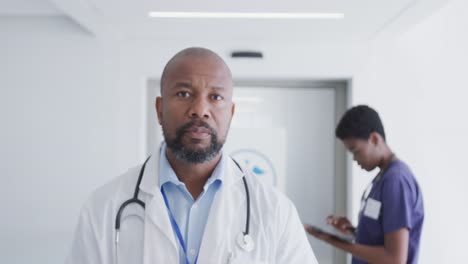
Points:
x=245, y=242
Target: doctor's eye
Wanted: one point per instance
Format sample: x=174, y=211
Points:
x=183, y=94
x=217, y=97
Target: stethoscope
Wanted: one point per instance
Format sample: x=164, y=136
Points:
x=243, y=239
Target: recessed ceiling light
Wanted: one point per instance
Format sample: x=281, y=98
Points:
x=246, y=15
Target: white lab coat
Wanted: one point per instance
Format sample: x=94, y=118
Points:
x=147, y=236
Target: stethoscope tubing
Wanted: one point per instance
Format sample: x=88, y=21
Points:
x=136, y=200
x=131, y=200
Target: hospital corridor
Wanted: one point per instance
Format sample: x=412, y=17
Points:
x=210, y=132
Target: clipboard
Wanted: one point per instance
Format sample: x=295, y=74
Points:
x=335, y=235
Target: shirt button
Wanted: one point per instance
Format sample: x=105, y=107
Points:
x=195, y=206
x=192, y=252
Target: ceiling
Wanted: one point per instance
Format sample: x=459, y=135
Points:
x=28, y=8
x=363, y=19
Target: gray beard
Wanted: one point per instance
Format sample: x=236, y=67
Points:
x=194, y=156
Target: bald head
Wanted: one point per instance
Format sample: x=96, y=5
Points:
x=195, y=57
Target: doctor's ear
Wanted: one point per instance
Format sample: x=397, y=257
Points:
x=158, y=107
x=233, y=110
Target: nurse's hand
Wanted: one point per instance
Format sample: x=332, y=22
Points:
x=342, y=224
x=316, y=232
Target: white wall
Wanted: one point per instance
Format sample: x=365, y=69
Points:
x=418, y=84
x=63, y=132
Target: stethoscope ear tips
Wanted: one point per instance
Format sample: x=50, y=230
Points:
x=245, y=242
x=117, y=236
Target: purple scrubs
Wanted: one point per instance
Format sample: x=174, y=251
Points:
x=401, y=206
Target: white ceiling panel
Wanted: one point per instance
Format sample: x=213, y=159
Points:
x=363, y=19
x=28, y=8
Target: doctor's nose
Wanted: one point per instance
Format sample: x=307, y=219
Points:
x=199, y=109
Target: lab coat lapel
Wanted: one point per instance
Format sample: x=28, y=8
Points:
x=159, y=241
x=225, y=219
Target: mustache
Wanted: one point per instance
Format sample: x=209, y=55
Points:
x=184, y=128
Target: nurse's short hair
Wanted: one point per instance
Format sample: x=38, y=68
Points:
x=359, y=122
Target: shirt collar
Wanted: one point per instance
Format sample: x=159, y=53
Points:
x=168, y=175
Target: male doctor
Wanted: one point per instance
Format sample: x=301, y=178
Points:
x=199, y=205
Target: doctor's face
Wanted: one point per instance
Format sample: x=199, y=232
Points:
x=364, y=152
x=195, y=108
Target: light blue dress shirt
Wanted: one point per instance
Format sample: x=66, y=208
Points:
x=191, y=215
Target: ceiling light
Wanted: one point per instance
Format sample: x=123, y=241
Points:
x=246, y=15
